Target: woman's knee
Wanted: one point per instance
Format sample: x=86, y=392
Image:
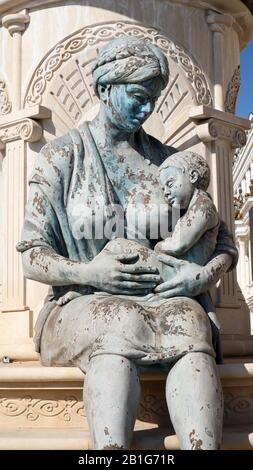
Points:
x=188, y=321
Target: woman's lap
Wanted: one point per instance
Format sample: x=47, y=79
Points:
x=146, y=332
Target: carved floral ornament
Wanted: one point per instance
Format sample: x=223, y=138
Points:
x=5, y=104
x=89, y=37
x=242, y=404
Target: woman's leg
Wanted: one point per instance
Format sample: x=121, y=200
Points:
x=195, y=401
x=111, y=396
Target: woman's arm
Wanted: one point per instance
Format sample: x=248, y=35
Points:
x=106, y=272
x=42, y=264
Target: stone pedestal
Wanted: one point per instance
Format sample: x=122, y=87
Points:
x=47, y=49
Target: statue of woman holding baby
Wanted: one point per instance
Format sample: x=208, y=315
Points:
x=122, y=312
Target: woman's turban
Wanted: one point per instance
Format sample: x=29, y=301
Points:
x=129, y=60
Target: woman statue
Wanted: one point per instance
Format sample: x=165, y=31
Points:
x=109, y=330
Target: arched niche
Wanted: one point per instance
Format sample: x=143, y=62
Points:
x=63, y=79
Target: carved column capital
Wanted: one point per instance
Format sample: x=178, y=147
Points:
x=16, y=22
x=23, y=125
x=219, y=23
x=213, y=129
x=25, y=129
x=212, y=124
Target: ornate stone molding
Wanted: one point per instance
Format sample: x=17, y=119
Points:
x=232, y=91
x=91, y=36
x=33, y=409
x=5, y=104
x=25, y=129
x=16, y=23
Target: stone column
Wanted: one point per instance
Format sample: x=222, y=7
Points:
x=16, y=25
x=241, y=268
x=218, y=24
x=17, y=130
x=222, y=133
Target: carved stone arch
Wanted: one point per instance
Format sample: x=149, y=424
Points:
x=63, y=79
x=5, y=103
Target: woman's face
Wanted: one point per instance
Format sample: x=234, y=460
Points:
x=130, y=105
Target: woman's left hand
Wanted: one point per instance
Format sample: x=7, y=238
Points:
x=189, y=280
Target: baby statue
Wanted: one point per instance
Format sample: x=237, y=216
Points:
x=184, y=178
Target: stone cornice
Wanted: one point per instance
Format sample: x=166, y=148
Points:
x=237, y=8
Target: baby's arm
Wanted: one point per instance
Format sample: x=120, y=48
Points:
x=200, y=217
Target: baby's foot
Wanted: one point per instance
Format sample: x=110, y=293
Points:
x=68, y=297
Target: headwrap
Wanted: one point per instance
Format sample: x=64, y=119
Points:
x=190, y=161
x=129, y=60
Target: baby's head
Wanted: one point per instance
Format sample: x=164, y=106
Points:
x=180, y=174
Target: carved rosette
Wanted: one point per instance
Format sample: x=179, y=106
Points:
x=232, y=91
x=89, y=37
x=5, y=104
x=239, y=407
x=25, y=129
x=214, y=129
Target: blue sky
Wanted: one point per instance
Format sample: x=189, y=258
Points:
x=245, y=99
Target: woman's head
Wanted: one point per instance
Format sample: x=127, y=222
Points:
x=128, y=78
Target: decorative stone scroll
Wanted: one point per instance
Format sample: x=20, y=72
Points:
x=232, y=91
x=89, y=37
x=34, y=409
x=5, y=104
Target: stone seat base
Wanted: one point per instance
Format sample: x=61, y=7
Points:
x=41, y=408
x=78, y=439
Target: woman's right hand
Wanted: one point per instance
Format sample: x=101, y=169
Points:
x=119, y=274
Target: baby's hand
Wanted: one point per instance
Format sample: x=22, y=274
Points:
x=163, y=247
x=68, y=297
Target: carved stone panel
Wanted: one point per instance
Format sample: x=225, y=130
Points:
x=61, y=409
x=232, y=91
x=5, y=104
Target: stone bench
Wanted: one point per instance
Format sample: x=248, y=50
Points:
x=41, y=408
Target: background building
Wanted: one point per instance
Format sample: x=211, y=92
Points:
x=243, y=203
